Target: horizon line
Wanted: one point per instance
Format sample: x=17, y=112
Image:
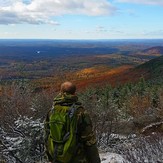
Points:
x=80, y=39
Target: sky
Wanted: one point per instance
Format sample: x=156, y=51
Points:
x=81, y=19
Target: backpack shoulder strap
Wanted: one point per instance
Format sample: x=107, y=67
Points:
x=72, y=110
x=74, y=107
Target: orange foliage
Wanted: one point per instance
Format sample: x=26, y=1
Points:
x=119, y=75
x=93, y=76
x=92, y=71
x=88, y=71
x=112, y=76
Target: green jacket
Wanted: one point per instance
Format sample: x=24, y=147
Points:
x=87, y=151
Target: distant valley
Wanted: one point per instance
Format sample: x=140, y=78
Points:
x=45, y=62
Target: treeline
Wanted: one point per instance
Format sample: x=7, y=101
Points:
x=124, y=109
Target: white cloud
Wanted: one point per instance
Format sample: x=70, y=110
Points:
x=153, y=33
x=148, y=2
x=41, y=11
x=100, y=29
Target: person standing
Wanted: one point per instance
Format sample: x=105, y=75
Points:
x=84, y=146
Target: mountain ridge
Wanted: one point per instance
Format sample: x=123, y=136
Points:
x=154, y=67
x=156, y=50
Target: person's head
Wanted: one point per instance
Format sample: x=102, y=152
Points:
x=68, y=87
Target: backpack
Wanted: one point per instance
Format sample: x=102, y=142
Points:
x=62, y=140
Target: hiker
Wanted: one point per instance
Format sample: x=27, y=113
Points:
x=73, y=139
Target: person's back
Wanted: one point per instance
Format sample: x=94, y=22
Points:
x=85, y=150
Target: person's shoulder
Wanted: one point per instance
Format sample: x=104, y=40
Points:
x=81, y=111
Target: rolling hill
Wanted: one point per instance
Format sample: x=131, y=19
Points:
x=149, y=53
x=153, y=68
x=151, y=71
x=157, y=50
x=102, y=75
x=85, y=62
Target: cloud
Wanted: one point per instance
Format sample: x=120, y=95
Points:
x=100, y=29
x=153, y=33
x=41, y=11
x=147, y=2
